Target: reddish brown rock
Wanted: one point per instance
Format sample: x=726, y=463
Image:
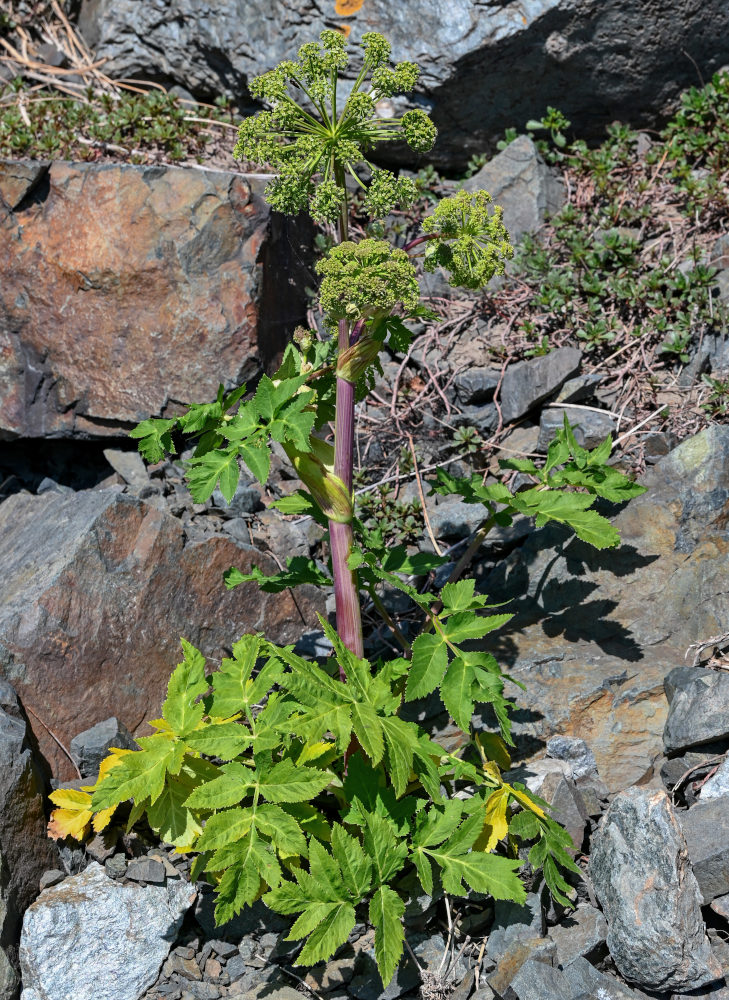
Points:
x=98, y=589
x=126, y=290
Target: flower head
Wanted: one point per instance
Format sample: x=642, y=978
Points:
x=366, y=280
x=472, y=243
x=310, y=140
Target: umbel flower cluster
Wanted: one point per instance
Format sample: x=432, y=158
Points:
x=312, y=143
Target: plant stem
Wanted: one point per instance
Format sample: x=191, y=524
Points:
x=346, y=590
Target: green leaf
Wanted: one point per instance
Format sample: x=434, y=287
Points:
x=331, y=932
x=368, y=729
x=141, y=774
x=402, y=743
x=225, y=828
x=569, y=509
x=382, y=846
x=181, y=709
x=155, y=439
x=234, y=690
x=258, y=459
x=355, y=866
x=225, y=740
x=286, y=782
x=204, y=472
x=455, y=691
x=282, y=829
x=170, y=817
x=299, y=570
x=469, y=625
x=479, y=871
x=227, y=789
x=386, y=912
x=430, y=659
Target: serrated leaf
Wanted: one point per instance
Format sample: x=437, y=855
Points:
x=496, y=822
x=258, y=459
x=330, y=933
x=170, y=817
x=386, y=912
x=429, y=662
x=355, y=866
x=425, y=871
x=368, y=730
x=402, y=742
x=205, y=471
x=524, y=825
x=455, y=690
x=570, y=509
x=299, y=570
x=225, y=828
x=140, y=774
x=469, y=625
x=228, y=789
x=386, y=851
x=155, y=438
x=181, y=710
x=285, y=782
x=232, y=684
x=72, y=816
x=282, y=830
x=225, y=739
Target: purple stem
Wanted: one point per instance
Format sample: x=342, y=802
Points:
x=420, y=239
x=346, y=591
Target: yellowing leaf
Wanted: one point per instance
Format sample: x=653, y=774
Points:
x=103, y=818
x=524, y=799
x=73, y=816
x=71, y=798
x=496, y=823
x=312, y=751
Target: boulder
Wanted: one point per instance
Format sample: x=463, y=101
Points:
x=583, y=932
x=530, y=382
x=598, y=60
x=642, y=876
x=25, y=850
x=128, y=290
x=698, y=708
x=595, y=634
x=98, y=589
x=590, y=427
x=90, y=936
x=522, y=184
x=89, y=748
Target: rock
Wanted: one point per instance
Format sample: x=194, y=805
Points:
x=720, y=905
x=116, y=866
x=705, y=827
x=582, y=932
x=522, y=184
x=246, y=500
x=18, y=182
x=718, y=784
x=698, y=709
x=581, y=387
x=529, y=382
x=91, y=936
x=49, y=878
x=514, y=922
x=146, y=870
x=642, y=876
x=594, y=634
x=574, y=752
x=590, y=427
x=130, y=466
x=577, y=57
x=332, y=975
x=454, y=518
x=98, y=588
x=89, y=748
x=583, y=980
x=476, y=385
x=515, y=956
x=166, y=281
x=367, y=985
x=537, y=981
x=26, y=853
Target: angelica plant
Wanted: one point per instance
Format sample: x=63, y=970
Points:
x=298, y=781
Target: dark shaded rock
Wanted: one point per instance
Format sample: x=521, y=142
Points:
x=582, y=932
x=537, y=981
x=522, y=184
x=515, y=956
x=581, y=387
x=590, y=427
x=476, y=385
x=642, y=876
x=594, y=634
x=245, y=500
x=577, y=56
x=455, y=519
x=514, y=922
x=699, y=708
x=26, y=853
x=583, y=979
x=130, y=466
x=165, y=281
x=529, y=382
x=18, y=180
x=717, y=786
x=98, y=588
x=706, y=829
x=89, y=748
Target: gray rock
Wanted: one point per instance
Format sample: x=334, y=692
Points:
x=720, y=905
x=582, y=978
x=116, y=866
x=130, y=466
x=577, y=56
x=576, y=389
x=90, y=747
x=90, y=936
x=476, y=385
x=516, y=955
x=26, y=853
x=590, y=427
x=367, y=985
x=537, y=981
x=455, y=519
x=699, y=709
x=246, y=500
x=529, y=382
x=552, y=780
x=575, y=752
x=522, y=184
x=718, y=784
x=642, y=876
x=146, y=870
x=718, y=991
x=582, y=932
x=706, y=829
x=52, y=877
x=514, y=922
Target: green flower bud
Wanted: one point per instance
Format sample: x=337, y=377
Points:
x=359, y=107
x=419, y=131
x=326, y=205
x=377, y=48
x=365, y=280
x=386, y=191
